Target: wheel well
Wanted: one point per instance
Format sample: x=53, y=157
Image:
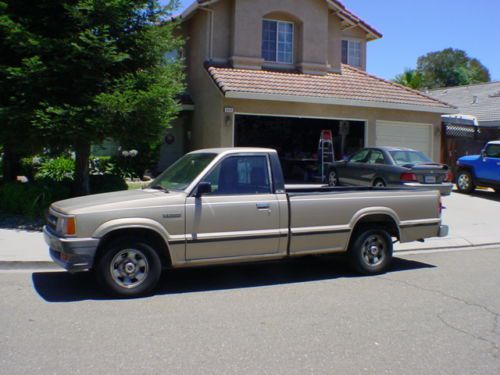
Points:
x=148, y=235
x=465, y=168
x=378, y=179
x=379, y=221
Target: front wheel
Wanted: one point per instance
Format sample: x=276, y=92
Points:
x=128, y=268
x=465, y=183
x=371, y=251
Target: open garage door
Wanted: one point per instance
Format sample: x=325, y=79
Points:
x=403, y=134
x=296, y=139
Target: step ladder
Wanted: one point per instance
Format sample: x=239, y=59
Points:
x=326, y=154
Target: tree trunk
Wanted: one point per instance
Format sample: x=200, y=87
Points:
x=82, y=152
x=10, y=163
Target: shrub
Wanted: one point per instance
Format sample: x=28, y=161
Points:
x=59, y=169
x=31, y=199
x=106, y=182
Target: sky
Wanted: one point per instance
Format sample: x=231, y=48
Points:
x=413, y=28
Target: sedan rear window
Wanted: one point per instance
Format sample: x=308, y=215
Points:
x=409, y=157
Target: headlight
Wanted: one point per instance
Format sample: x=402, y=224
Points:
x=66, y=225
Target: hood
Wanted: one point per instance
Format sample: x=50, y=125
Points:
x=469, y=158
x=132, y=198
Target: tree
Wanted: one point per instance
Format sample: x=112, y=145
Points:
x=446, y=68
x=410, y=78
x=99, y=70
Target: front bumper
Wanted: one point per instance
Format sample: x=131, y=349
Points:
x=444, y=188
x=443, y=231
x=73, y=254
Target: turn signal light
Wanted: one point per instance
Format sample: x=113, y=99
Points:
x=408, y=177
x=70, y=226
x=449, y=177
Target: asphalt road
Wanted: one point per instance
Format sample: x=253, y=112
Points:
x=434, y=313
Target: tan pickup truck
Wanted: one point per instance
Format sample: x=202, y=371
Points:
x=219, y=206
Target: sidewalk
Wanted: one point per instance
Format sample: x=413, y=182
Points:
x=474, y=221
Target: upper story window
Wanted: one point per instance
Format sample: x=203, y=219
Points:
x=277, y=41
x=351, y=53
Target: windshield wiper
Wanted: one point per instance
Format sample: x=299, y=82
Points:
x=159, y=187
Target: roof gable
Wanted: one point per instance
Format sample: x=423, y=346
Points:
x=346, y=16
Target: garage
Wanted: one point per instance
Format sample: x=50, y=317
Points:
x=405, y=134
x=296, y=139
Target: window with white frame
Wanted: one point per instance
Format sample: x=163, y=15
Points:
x=277, y=41
x=351, y=53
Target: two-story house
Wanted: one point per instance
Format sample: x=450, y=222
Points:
x=275, y=73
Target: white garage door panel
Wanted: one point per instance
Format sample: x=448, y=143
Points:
x=416, y=136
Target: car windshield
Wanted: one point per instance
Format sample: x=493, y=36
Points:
x=409, y=157
x=179, y=175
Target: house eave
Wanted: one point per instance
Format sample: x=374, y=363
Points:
x=337, y=101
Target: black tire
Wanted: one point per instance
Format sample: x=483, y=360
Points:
x=370, y=251
x=128, y=267
x=333, y=177
x=379, y=183
x=497, y=191
x=465, y=182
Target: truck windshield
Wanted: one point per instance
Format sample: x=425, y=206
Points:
x=180, y=174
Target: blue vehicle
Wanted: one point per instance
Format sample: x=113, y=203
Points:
x=480, y=170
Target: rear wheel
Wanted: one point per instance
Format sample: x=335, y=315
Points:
x=333, y=178
x=128, y=268
x=379, y=183
x=370, y=251
x=465, y=182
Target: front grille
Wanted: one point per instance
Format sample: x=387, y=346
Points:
x=52, y=221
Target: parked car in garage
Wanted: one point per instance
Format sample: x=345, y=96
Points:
x=391, y=167
x=483, y=169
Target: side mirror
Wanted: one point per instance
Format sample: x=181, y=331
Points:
x=483, y=154
x=203, y=188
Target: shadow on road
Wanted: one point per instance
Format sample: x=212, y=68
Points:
x=65, y=287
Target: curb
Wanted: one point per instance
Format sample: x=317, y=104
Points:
x=19, y=265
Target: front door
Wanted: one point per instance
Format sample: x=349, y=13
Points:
x=240, y=217
x=489, y=168
x=355, y=170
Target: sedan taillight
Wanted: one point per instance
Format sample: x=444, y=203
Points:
x=449, y=177
x=408, y=177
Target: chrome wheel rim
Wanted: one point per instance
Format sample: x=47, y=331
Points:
x=129, y=268
x=332, y=179
x=379, y=184
x=373, y=250
x=463, y=181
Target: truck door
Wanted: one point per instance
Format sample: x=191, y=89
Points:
x=489, y=167
x=240, y=216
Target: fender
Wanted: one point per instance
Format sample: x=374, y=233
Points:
x=370, y=211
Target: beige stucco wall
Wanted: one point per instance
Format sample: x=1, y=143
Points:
x=204, y=128
x=232, y=32
x=369, y=115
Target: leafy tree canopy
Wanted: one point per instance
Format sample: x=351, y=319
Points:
x=446, y=68
x=74, y=72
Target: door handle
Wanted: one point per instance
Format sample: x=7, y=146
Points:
x=263, y=206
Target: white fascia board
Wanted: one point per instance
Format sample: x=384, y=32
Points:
x=337, y=101
x=188, y=12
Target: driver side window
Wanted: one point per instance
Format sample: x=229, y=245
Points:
x=240, y=175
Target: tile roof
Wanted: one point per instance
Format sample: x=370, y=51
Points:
x=486, y=107
x=351, y=85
